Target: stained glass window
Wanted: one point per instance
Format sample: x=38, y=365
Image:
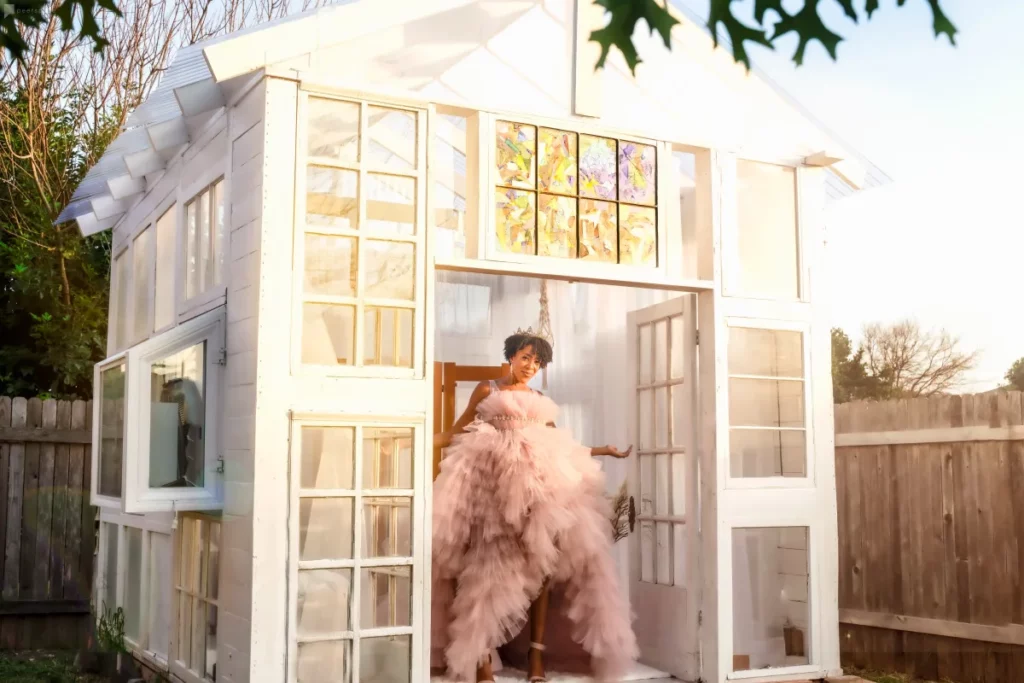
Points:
x=567, y=195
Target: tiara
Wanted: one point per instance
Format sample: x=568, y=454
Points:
x=539, y=334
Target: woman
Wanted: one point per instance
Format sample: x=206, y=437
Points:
x=520, y=524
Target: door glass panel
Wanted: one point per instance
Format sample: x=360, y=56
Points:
x=646, y=419
x=333, y=130
x=661, y=410
x=770, y=582
x=387, y=458
x=332, y=198
x=331, y=265
x=663, y=530
x=645, y=354
x=324, y=598
x=133, y=584
x=325, y=528
x=677, y=342
x=327, y=458
x=767, y=453
x=325, y=661
x=661, y=351
x=386, y=594
x=328, y=334
x=390, y=269
x=392, y=138
x=388, y=526
x=385, y=660
x=390, y=204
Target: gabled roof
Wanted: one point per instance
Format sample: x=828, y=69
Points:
x=203, y=77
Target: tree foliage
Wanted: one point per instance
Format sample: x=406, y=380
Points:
x=772, y=22
x=1015, y=375
x=898, y=360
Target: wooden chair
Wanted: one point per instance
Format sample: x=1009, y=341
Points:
x=446, y=376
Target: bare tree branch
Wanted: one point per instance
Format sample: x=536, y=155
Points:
x=914, y=361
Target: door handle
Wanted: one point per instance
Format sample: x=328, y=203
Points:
x=632, y=514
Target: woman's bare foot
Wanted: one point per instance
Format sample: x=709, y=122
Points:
x=484, y=674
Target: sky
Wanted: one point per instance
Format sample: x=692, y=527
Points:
x=944, y=242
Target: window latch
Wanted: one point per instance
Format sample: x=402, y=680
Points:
x=220, y=464
x=222, y=358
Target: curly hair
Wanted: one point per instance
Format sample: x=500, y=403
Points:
x=517, y=342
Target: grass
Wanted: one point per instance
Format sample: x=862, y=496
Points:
x=42, y=667
x=878, y=677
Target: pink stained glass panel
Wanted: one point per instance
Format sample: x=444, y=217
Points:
x=556, y=226
x=598, y=231
x=516, y=221
x=597, y=167
x=637, y=173
x=638, y=236
x=556, y=161
x=516, y=149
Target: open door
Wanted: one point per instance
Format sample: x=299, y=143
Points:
x=663, y=578
x=446, y=406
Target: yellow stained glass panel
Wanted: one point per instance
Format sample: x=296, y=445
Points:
x=638, y=236
x=516, y=149
x=516, y=221
x=598, y=231
x=556, y=161
x=556, y=226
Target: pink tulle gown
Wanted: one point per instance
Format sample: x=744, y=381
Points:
x=517, y=502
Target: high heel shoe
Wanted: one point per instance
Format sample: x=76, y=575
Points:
x=539, y=647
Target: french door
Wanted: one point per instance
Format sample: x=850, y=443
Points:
x=663, y=485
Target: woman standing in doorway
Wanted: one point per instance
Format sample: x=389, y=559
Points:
x=520, y=528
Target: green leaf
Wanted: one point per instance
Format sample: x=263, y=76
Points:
x=870, y=7
x=941, y=23
x=808, y=26
x=739, y=33
x=623, y=17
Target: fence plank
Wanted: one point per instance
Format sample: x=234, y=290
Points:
x=30, y=505
x=88, y=523
x=15, y=496
x=5, y=464
x=45, y=435
x=44, y=513
x=61, y=495
x=77, y=493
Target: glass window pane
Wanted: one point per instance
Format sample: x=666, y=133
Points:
x=646, y=419
x=390, y=269
x=638, y=235
x=177, y=438
x=331, y=265
x=390, y=204
x=111, y=399
x=448, y=166
x=771, y=606
x=386, y=597
x=192, y=249
x=220, y=243
x=770, y=353
x=333, y=130
x=767, y=232
x=213, y=573
x=332, y=198
x=661, y=416
x=142, y=282
x=392, y=138
x=767, y=453
x=678, y=344
x=680, y=424
x=766, y=403
x=110, y=601
x=211, y=643
x=599, y=231
x=661, y=351
x=516, y=145
x=327, y=661
x=166, y=248
x=556, y=161
x=388, y=336
x=516, y=222
x=385, y=660
x=556, y=226
x=387, y=524
x=133, y=584
x=387, y=458
x=327, y=458
x=160, y=575
x=328, y=334
x=644, y=353
x=121, y=275
x=325, y=528
x=597, y=167
x=637, y=173
x=324, y=598
x=204, y=265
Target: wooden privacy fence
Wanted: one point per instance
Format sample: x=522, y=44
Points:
x=47, y=527
x=931, y=536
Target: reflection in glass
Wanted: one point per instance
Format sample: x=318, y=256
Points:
x=390, y=204
x=324, y=598
x=767, y=453
x=331, y=265
x=388, y=527
x=332, y=198
x=325, y=528
x=111, y=398
x=327, y=661
x=767, y=239
x=392, y=138
x=385, y=660
x=386, y=597
x=178, y=419
x=387, y=458
x=328, y=334
x=388, y=336
x=327, y=461
x=390, y=269
x=333, y=130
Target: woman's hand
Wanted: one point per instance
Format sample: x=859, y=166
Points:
x=612, y=451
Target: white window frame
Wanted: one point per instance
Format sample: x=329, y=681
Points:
x=209, y=294
x=487, y=236
x=98, y=500
x=808, y=480
x=176, y=666
x=209, y=327
x=147, y=525
x=731, y=264
x=363, y=168
x=419, y=599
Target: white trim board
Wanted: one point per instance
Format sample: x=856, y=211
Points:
x=926, y=436
x=637, y=672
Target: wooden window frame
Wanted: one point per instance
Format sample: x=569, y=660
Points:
x=418, y=562
x=177, y=667
x=360, y=303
